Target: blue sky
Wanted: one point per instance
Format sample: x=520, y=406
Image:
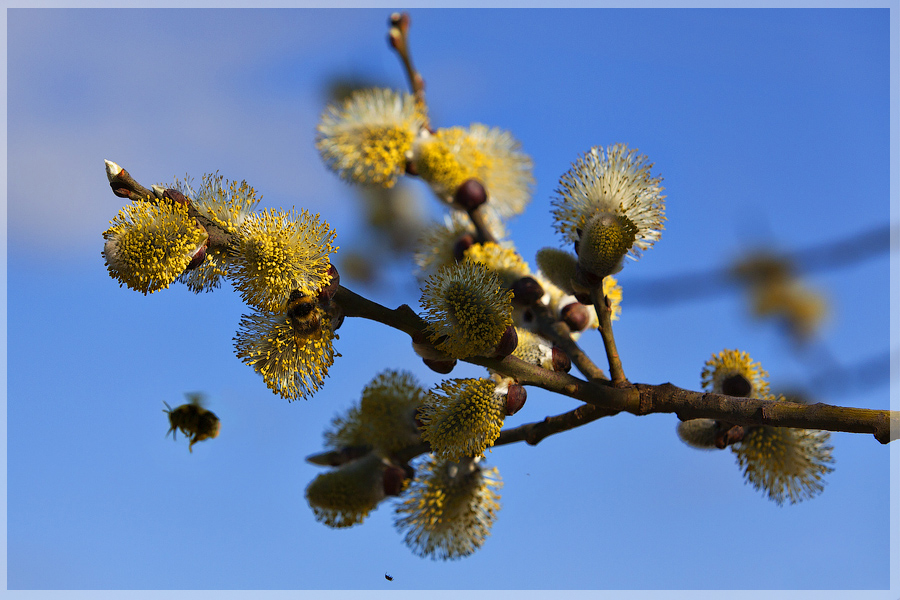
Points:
x=770, y=128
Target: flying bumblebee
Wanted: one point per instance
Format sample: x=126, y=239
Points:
x=303, y=313
x=193, y=420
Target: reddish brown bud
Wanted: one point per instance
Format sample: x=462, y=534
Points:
x=576, y=316
x=197, y=259
x=411, y=169
x=336, y=313
x=731, y=435
x=439, y=366
x=586, y=279
x=464, y=242
x=737, y=385
x=561, y=360
x=119, y=191
x=470, y=194
x=175, y=196
x=507, y=343
x=527, y=290
x=394, y=38
x=515, y=398
x=328, y=292
x=393, y=479
x=400, y=20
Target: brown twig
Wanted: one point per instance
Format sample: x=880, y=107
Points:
x=533, y=433
x=483, y=230
x=559, y=333
x=643, y=399
x=638, y=399
x=604, y=312
x=125, y=186
x=398, y=36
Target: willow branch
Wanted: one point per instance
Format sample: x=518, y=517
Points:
x=125, y=186
x=559, y=333
x=533, y=433
x=483, y=230
x=403, y=318
x=638, y=399
x=530, y=433
x=604, y=314
x=398, y=36
x=643, y=399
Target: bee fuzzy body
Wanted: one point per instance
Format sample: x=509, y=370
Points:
x=194, y=422
x=303, y=313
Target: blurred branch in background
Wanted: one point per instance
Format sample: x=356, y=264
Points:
x=775, y=290
x=688, y=287
x=871, y=372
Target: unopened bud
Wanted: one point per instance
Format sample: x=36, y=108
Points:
x=464, y=242
x=394, y=38
x=527, y=316
x=527, y=290
x=176, y=196
x=197, y=258
x=400, y=20
x=328, y=292
x=399, y=26
x=121, y=192
x=440, y=366
x=507, y=343
x=583, y=298
x=112, y=170
x=336, y=313
x=727, y=437
x=470, y=194
x=576, y=316
x=515, y=398
x=585, y=280
x=393, y=479
x=561, y=360
x=737, y=385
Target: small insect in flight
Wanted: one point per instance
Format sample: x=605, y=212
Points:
x=192, y=420
x=303, y=313
x=388, y=577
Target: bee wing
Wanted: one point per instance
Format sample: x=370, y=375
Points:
x=197, y=398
